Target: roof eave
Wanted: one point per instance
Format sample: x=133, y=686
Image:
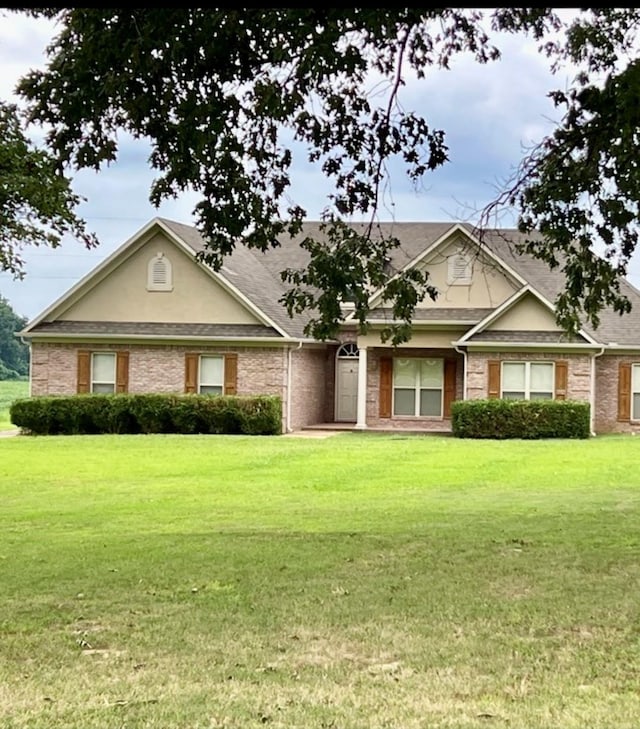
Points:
x=96, y=337
x=493, y=346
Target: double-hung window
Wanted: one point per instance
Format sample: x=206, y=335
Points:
x=211, y=375
x=527, y=380
x=635, y=392
x=103, y=372
x=418, y=386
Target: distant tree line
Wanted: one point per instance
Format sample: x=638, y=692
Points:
x=14, y=354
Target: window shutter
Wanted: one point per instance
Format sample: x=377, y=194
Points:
x=230, y=374
x=562, y=378
x=122, y=371
x=191, y=373
x=84, y=372
x=449, y=385
x=386, y=376
x=624, y=392
x=494, y=378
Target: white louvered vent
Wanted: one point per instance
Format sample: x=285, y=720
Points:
x=460, y=269
x=159, y=273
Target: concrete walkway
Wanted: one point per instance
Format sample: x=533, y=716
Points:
x=9, y=433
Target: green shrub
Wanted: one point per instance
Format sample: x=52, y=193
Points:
x=148, y=413
x=526, y=419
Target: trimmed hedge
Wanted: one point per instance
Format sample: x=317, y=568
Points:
x=526, y=419
x=148, y=413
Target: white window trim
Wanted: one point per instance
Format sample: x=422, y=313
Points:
x=167, y=284
x=202, y=384
x=635, y=367
x=417, y=389
x=93, y=381
x=527, y=376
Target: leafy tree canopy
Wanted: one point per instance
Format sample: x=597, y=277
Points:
x=37, y=205
x=222, y=95
x=14, y=354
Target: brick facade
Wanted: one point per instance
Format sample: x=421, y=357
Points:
x=309, y=387
x=606, y=410
x=579, y=371
x=406, y=423
x=161, y=368
x=158, y=368
x=264, y=371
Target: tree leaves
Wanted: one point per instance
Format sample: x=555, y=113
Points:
x=37, y=205
x=228, y=98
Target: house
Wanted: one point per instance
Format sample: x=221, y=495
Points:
x=153, y=318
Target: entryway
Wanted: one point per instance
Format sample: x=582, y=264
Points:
x=347, y=383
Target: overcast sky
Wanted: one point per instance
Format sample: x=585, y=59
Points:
x=491, y=114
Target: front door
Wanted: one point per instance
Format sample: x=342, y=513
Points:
x=346, y=389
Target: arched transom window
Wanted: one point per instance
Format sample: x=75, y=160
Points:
x=348, y=349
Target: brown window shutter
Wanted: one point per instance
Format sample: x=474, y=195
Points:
x=386, y=378
x=191, y=372
x=494, y=378
x=84, y=371
x=562, y=379
x=449, y=385
x=230, y=374
x=624, y=392
x=122, y=371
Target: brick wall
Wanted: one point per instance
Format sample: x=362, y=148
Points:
x=309, y=374
x=160, y=368
x=261, y=371
x=606, y=415
x=406, y=423
x=579, y=371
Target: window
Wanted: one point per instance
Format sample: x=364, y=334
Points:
x=527, y=380
x=348, y=349
x=159, y=273
x=459, y=269
x=211, y=375
x=635, y=392
x=103, y=372
x=417, y=386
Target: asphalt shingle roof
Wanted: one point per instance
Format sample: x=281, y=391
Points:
x=160, y=329
x=503, y=335
x=256, y=275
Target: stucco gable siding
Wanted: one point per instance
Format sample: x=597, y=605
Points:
x=122, y=295
x=489, y=284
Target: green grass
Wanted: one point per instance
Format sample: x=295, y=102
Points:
x=10, y=390
x=361, y=581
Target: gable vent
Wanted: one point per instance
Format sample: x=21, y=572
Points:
x=159, y=273
x=459, y=269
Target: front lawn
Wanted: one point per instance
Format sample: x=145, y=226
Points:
x=359, y=581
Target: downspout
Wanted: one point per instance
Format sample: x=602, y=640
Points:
x=463, y=352
x=593, y=388
x=30, y=363
x=289, y=381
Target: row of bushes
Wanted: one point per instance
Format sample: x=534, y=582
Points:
x=527, y=419
x=151, y=413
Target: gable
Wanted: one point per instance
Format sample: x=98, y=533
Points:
x=130, y=290
x=527, y=314
x=465, y=276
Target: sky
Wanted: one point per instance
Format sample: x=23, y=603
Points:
x=491, y=115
